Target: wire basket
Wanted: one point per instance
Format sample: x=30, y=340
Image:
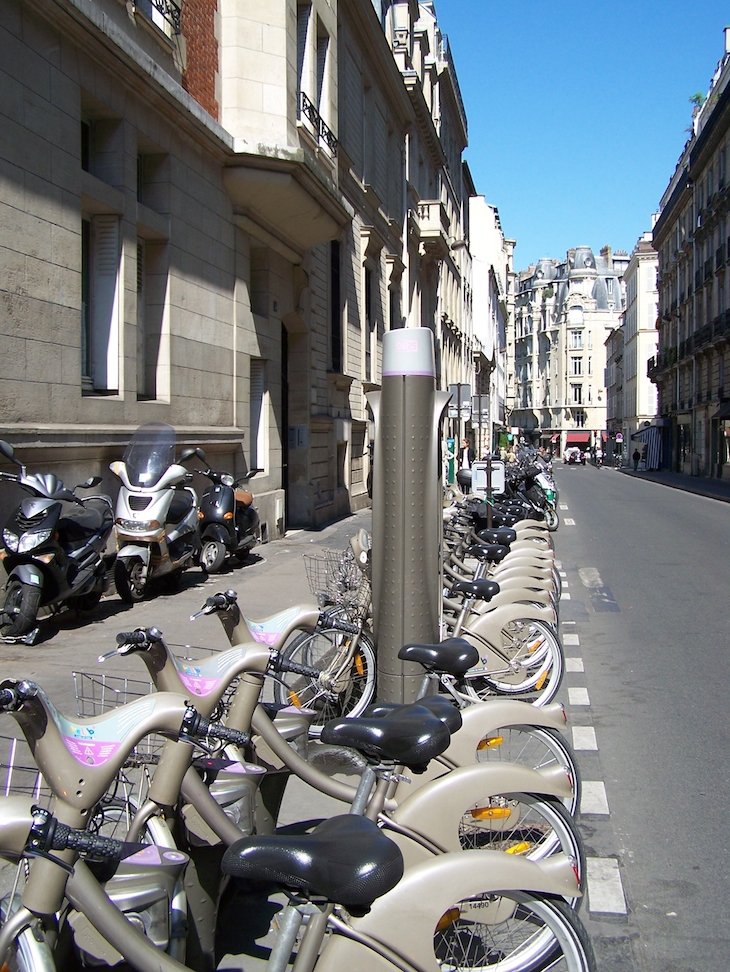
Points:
x=18, y=773
x=335, y=578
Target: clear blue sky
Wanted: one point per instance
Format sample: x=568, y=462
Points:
x=577, y=111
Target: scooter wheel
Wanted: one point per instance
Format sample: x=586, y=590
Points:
x=128, y=580
x=20, y=608
x=212, y=556
x=552, y=520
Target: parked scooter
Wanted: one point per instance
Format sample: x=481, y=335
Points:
x=55, y=545
x=156, y=513
x=229, y=521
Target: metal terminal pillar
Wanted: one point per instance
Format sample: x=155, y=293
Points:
x=407, y=508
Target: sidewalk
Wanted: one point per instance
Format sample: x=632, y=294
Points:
x=700, y=485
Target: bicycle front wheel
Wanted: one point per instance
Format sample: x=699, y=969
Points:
x=346, y=684
x=512, y=931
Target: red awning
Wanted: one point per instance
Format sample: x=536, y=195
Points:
x=604, y=436
x=577, y=438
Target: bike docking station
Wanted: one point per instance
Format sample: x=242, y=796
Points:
x=407, y=508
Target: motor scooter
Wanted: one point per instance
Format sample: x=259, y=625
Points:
x=54, y=548
x=228, y=519
x=156, y=512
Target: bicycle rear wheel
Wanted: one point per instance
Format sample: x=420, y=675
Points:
x=530, y=663
x=347, y=681
x=513, y=931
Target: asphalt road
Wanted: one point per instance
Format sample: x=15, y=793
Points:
x=653, y=633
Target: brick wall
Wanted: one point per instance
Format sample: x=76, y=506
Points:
x=198, y=27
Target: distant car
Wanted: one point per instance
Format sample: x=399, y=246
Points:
x=573, y=455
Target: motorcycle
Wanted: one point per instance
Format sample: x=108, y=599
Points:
x=156, y=512
x=229, y=521
x=54, y=548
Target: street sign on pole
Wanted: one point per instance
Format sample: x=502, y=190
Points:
x=460, y=404
x=480, y=411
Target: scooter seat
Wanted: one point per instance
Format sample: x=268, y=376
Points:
x=482, y=589
x=411, y=735
x=455, y=656
x=441, y=706
x=347, y=859
x=82, y=522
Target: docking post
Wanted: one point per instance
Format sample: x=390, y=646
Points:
x=407, y=507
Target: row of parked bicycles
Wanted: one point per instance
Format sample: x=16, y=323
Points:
x=56, y=543
x=147, y=832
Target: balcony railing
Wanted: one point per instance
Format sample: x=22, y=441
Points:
x=165, y=14
x=308, y=110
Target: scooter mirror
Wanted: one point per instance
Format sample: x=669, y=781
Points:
x=7, y=450
x=189, y=453
x=91, y=481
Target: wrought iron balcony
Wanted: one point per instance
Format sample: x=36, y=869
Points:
x=308, y=110
x=163, y=13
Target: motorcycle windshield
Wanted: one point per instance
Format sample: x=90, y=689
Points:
x=150, y=453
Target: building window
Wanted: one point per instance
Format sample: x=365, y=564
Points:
x=576, y=394
x=575, y=316
x=303, y=14
x=580, y=418
x=258, y=425
x=576, y=366
x=335, y=308
x=590, y=365
x=153, y=335
x=100, y=304
x=369, y=324
x=575, y=340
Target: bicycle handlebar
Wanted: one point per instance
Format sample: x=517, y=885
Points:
x=218, y=602
x=195, y=725
x=281, y=664
x=49, y=834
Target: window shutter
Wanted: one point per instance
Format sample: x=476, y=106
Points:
x=104, y=299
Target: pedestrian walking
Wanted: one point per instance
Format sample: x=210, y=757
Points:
x=636, y=456
x=466, y=454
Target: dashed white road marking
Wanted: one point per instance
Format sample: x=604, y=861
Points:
x=584, y=737
x=574, y=665
x=563, y=506
x=565, y=596
x=578, y=696
x=571, y=639
x=593, y=797
x=559, y=564
x=605, y=890
x=562, y=573
x=568, y=522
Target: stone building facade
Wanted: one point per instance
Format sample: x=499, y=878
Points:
x=563, y=315
x=692, y=238
x=209, y=214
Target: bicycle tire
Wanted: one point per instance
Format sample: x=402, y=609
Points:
x=351, y=693
x=513, y=931
x=538, y=747
x=535, y=676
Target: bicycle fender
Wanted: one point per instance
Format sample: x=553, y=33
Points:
x=520, y=596
x=483, y=719
x=436, y=809
x=404, y=919
x=27, y=574
x=492, y=622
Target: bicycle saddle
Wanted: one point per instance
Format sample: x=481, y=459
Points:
x=455, y=656
x=504, y=519
x=503, y=535
x=493, y=553
x=411, y=735
x=480, y=588
x=347, y=859
x=442, y=708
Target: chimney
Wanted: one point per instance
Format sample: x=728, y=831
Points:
x=727, y=40
x=607, y=255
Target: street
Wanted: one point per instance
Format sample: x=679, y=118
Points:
x=647, y=570
x=644, y=634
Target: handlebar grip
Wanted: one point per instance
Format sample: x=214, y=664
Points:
x=218, y=731
x=197, y=726
x=339, y=624
x=7, y=698
x=66, y=838
x=284, y=665
x=138, y=637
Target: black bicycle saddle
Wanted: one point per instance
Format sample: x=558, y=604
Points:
x=493, y=553
x=455, y=656
x=480, y=588
x=441, y=706
x=504, y=535
x=410, y=735
x=346, y=859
